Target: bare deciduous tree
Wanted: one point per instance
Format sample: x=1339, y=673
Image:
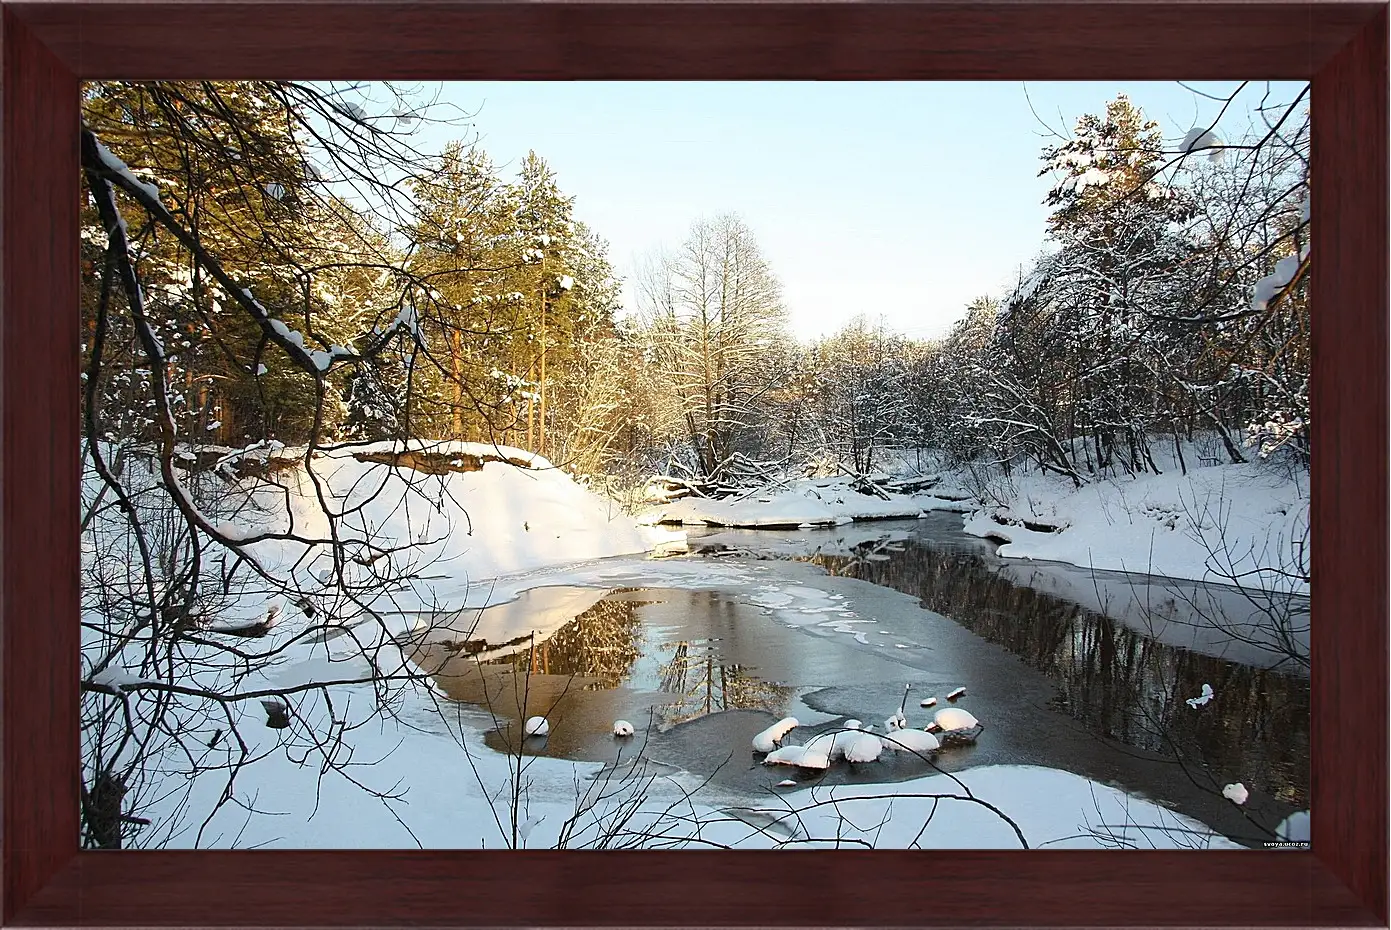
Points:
x=715, y=320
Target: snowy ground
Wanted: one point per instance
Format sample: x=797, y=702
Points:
x=420, y=774
x=453, y=793
x=424, y=776
x=1223, y=523
x=804, y=502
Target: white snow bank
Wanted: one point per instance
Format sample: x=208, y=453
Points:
x=467, y=513
x=1080, y=813
x=800, y=503
x=1217, y=524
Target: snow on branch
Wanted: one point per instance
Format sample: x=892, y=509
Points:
x=147, y=196
x=1200, y=139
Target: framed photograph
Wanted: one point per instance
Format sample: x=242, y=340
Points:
x=852, y=463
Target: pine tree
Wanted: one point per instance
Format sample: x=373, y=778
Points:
x=376, y=402
x=1112, y=159
x=1081, y=331
x=546, y=231
x=462, y=240
x=231, y=159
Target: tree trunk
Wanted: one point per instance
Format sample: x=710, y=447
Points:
x=456, y=365
x=541, y=436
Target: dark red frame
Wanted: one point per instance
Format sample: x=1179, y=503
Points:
x=49, y=47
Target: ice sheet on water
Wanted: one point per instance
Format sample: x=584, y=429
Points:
x=844, y=626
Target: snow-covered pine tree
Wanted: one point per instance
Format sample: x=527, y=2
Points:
x=376, y=402
x=1080, y=331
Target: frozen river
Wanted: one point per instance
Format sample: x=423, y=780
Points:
x=1072, y=670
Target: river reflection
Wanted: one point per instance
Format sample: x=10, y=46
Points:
x=657, y=657
x=691, y=664
x=600, y=645
x=1122, y=684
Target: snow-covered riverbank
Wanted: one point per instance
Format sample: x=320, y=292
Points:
x=1245, y=523
x=804, y=503
x=451, y=515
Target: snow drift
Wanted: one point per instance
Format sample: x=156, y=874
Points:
x=443, y=516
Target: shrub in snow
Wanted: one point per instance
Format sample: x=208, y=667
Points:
x=841, y=743
x=865, y=747
x=814, y=755
x=817, y=753
x=785, y=755
x=1274, y=434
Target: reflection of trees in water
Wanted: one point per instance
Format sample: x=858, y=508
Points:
x=1121, y=683
x=704, y=685
x=602, y=643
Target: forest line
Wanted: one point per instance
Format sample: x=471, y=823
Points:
x=438, y=298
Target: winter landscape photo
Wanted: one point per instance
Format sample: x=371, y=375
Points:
x=695, y=465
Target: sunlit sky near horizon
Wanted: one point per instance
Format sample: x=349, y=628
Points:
x=901, y=200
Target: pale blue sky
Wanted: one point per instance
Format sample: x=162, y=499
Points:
x=904, y=200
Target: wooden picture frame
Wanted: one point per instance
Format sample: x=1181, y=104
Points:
x=50, y=46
